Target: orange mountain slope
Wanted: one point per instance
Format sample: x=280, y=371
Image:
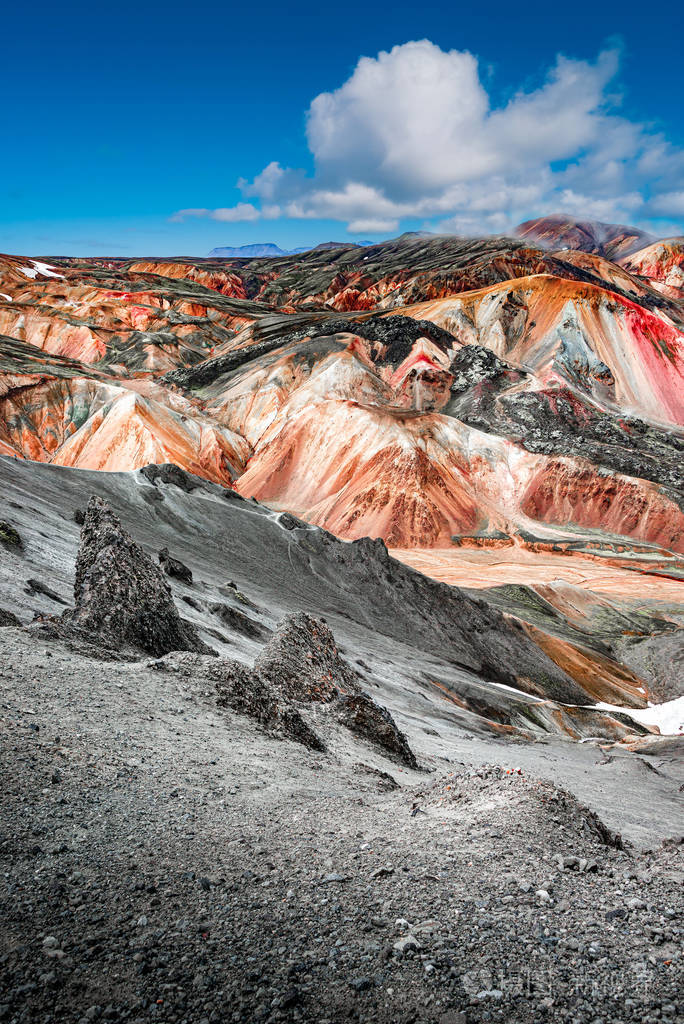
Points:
x=542, y=405
x=612, y=350
x=662, y=264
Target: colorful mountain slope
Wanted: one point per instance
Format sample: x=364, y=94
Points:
x=610, y=349
x=460, y=399
x=544, y=403
x=392, y=274
x=557, y=231
x=662, y=264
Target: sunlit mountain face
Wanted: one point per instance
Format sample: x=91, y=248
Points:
x=497, y=411
x=416, y=390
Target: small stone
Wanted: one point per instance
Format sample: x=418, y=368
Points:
x=55, y=954
x=360, y=984
x=382, y=872
x=290, y=999
x=406, y=943
x=490, y=993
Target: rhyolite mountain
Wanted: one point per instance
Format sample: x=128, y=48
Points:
x=557, y=231
x=497, y=411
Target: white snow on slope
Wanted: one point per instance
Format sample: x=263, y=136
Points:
x=8, y=298
x=668, y=717
x=44, y=269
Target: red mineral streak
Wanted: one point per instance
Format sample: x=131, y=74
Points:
x=662, y=264
x=350, y=433
x=575, y=332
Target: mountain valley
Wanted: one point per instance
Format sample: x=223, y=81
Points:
x=341, y=611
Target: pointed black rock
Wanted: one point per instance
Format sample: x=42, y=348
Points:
x=121, y=595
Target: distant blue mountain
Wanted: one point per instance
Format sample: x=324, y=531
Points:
x=250, y=251
x=266, y=249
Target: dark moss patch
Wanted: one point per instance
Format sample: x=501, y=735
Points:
x=10, y=537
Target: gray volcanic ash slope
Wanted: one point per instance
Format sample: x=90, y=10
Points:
x=426, y=647
x=362, y=806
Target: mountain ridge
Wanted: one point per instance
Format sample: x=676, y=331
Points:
x=259, y=250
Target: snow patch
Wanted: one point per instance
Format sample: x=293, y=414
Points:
x=668, y=717
x=44, y=269
x=8, y=298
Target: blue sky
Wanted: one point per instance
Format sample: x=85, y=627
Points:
x=127, y=127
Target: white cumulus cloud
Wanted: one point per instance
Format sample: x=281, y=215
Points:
x=243, y=211
x=413, y=133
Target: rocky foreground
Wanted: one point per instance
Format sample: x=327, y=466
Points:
x=187, y=837
x=166, y=859
x=253, y=773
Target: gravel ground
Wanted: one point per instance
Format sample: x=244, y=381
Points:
x=163, y=860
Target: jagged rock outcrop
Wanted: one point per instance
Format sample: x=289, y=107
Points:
x=8, y=618
x=302, y=662
x=169, y=473
x=362, y=715
x=409, y=637
x=244, y=691
x=174, y=567
x=299, y=666
x=120, y=594
x=236, y=620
